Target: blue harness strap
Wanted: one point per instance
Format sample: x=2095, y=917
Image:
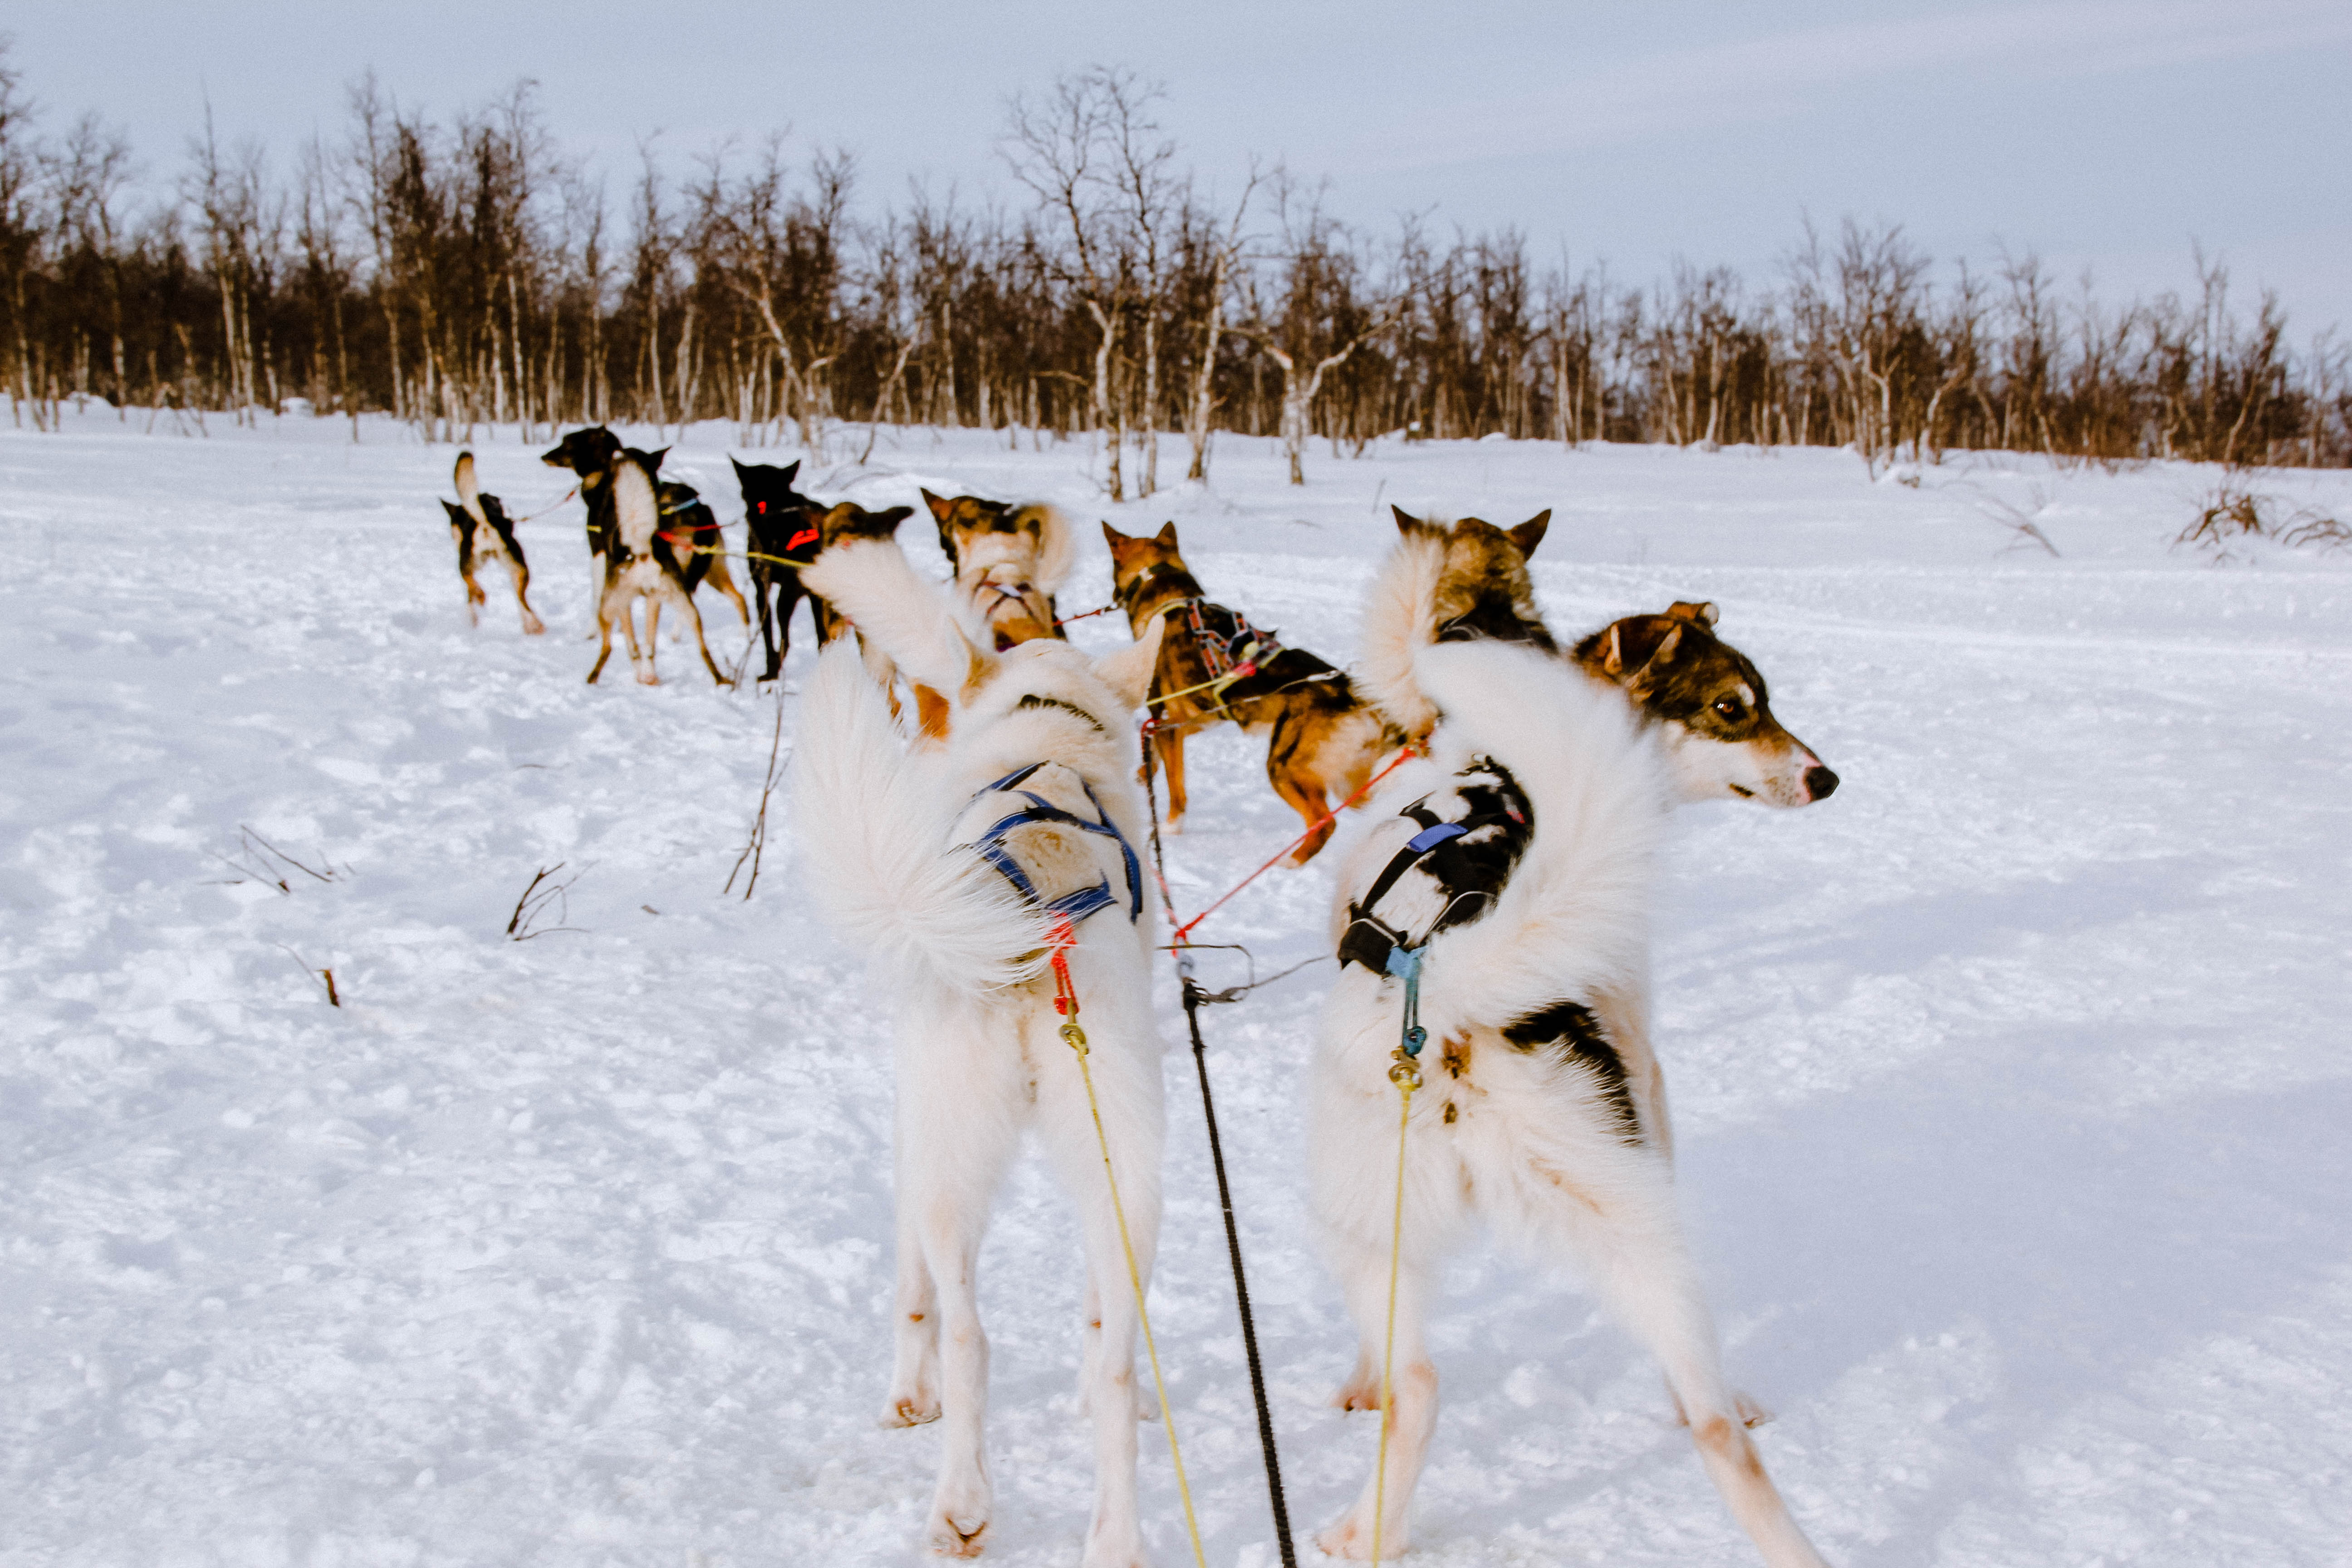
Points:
x=1077, y=906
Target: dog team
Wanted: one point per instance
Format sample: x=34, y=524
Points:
x=983, y=838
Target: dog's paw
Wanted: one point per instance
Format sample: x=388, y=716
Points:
x=1351, y=1539
x=958, y=1529
x=1360, y=1392
x=910, y=1410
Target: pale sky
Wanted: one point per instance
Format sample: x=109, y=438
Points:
x=2104, y=135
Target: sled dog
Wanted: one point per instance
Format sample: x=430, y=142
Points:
x=1707, y=697
x=483, y=531
x=783, y=532
x=956, y=864
x=1009, y=561
x=1517, y=879
x=687, y=530
x=1322, y=738
x=642, y=562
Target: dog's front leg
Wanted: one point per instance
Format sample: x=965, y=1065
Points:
x=1127, y=1085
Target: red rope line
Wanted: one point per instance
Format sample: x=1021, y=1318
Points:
x=1412, y=749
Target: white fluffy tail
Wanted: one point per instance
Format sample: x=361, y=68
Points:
x=1573, y=918
x=870, y=819
x=872, y=583
x=1057, y=545
x=636, y=505
x=469, y=488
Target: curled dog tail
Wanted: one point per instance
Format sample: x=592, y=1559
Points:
x=870, y=819
x=469, y=488
x=1057, y=544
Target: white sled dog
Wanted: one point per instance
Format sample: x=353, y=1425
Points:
x=1520, y=875
x=957, y=863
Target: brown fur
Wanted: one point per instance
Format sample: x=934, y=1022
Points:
x=1470, y=580
x=843, y=522
x=1679, y=672
x=1323, y=740
x=1008, y=560
x=480, y=526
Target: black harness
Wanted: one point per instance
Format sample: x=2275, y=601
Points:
x=1471, y=858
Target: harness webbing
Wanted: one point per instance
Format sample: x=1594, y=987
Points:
x=1472, y=873
x=1074, y=906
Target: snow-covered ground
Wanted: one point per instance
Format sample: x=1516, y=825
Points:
x=2013, y=1083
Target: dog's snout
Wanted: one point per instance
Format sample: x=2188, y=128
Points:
x=1820, y=782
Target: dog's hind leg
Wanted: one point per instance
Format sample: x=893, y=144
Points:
x=604, y=630
x=957, y=1131
x=1294, y=780
x=1634, y=1243
x=1169, y=746
x=694, y=619
x=1412, y=1418
x=532, y=624
x=724, y=581
x=1128, y=1094
x=914, y=1364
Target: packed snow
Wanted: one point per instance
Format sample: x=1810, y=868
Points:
x=2010, y=1083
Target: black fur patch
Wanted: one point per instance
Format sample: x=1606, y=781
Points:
x=1038, y=700
x=1469, y=868
x=1575, y=1034
x=1494, y=619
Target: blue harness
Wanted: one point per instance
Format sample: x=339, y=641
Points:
x=1074, y=906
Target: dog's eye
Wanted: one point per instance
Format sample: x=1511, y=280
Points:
x=1728, y=706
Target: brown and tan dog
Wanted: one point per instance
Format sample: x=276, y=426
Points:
x=1721, y=735
x=1009, y=561
x=1323, y=739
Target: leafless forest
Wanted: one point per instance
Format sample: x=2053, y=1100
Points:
x=468, y=270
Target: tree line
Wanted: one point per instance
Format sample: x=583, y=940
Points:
x=459, y=271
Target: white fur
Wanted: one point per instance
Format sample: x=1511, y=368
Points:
x=1523, y=1139
x=903, y=893
x=979, y=1054
x=1399, y=620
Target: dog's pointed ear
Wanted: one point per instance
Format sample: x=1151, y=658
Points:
x=942, y=507
x=1167, y=535
x=653, y=459
x=791, y=472
x=891, y=519
x=979, y=663
x=1654, y=669
x=1114, y=538
x=1406, y=522
x=1128, y=672
x=1529, y=534
x=1703, y=613
x=457, y=518
x=741, y=473
x=1612, y=651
